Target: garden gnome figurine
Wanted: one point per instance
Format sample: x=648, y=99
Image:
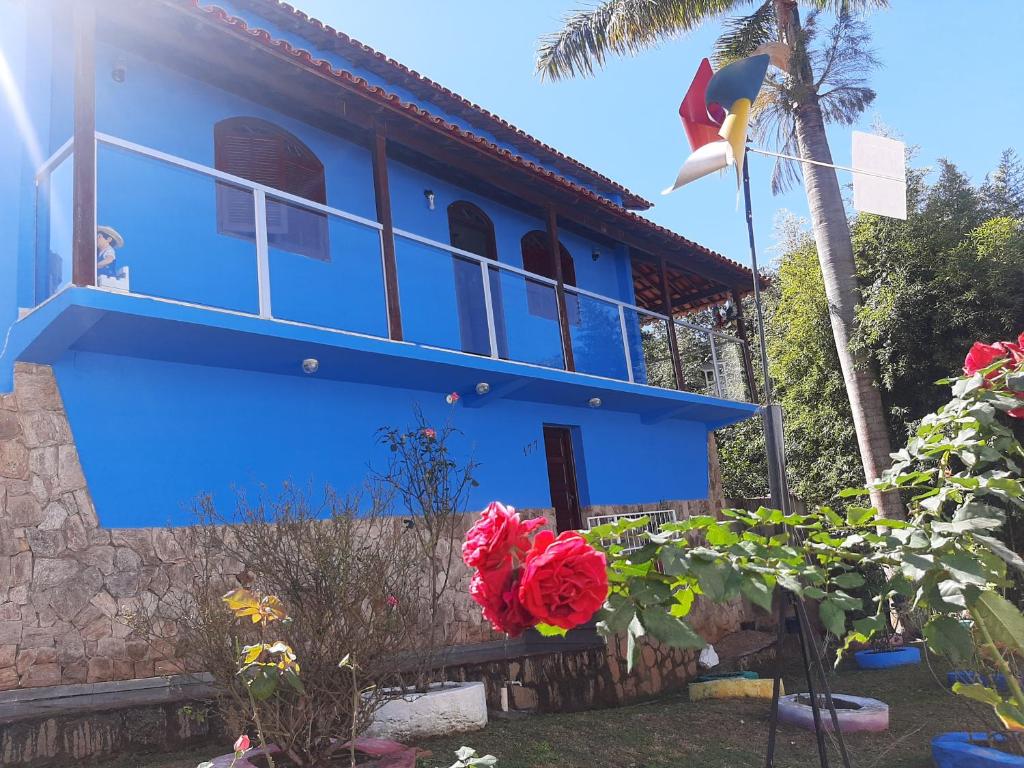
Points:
x=107, y=239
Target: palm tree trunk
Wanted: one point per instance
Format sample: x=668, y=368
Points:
x=838, y=269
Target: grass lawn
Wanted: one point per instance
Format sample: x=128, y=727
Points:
x=672, y=732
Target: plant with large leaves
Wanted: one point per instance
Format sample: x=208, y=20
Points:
x=960, y=474
x=821, y=84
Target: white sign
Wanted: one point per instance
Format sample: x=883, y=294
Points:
x=879, y=175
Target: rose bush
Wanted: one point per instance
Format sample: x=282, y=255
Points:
x=498, y=538
x=552, y=583
x=993, y=360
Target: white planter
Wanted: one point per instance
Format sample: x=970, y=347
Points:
x=445, y=708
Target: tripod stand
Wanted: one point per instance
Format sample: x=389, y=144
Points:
x=779, y=485
x=813, y=668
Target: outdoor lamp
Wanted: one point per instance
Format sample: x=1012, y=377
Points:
x=310, y=365
x=429, y=194
x=594, y=402
x=483, y=388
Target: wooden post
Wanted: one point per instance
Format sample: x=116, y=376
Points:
x=741, y=332
x=83, y=206
x=382, y=194
x=555, y=252
x=673, y=342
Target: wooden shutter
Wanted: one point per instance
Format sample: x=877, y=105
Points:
x=264, y=153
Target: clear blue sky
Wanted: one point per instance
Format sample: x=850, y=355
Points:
x=950, y=82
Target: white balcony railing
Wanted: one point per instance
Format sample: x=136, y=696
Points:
x=198, y=235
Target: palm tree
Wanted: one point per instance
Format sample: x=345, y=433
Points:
x=794, y=108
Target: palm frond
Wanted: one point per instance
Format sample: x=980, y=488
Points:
x=743, y=34
x=773, y=125
x=847, y=6
x=619, y=27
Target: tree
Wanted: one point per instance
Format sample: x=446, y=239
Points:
x=930, y=286
x=1003, y=190
x=806, y=104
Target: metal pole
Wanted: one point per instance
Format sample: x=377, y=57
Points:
x=770, y=413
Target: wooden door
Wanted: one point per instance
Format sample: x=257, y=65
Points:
x=562, y=478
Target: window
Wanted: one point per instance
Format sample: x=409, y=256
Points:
x=540, y=297
x=267, y=154
x=470, y=229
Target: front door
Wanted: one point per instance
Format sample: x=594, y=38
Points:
x=565, y=496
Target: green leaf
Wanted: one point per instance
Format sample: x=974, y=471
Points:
x=950, y=637
x=1011, y=715
x=649, y=592
x=294, y=681
x=711, y=577
x=970, y=524
x=964, y=568
x=263, y=684
x=757, y=592
x=832, y=616
x=978, y=692
x=546, y=630
x=670, y=630
x=999, y=548
x=849, y=580
x=859, y=515
x=618, y=611
x=1001, y=618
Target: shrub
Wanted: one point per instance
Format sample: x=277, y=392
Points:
x=348, y=586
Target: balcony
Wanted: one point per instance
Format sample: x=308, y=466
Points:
x=204, y=249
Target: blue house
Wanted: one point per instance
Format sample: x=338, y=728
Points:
x=242, y=242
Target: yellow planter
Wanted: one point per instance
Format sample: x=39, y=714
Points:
x=733, y=688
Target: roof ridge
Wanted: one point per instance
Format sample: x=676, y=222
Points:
x=635, y=201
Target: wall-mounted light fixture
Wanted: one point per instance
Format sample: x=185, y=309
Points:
x=310, y=365
x=595, y=254
x=120, y=71
x=429, y=195
x=594, y=402
x=483, y=388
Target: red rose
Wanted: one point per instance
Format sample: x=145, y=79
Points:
x=564, y=581
x=497, y=538
x=497, y=592
x=983, y=355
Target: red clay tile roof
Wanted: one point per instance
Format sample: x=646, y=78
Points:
x=380, y=64
x=305, y=58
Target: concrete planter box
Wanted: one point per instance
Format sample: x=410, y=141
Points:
x=445, y=708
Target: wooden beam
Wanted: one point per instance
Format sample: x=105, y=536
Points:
x=83, y=205
x=382, y=195
x=673, y=342
x=741, y=333
x=555, y=253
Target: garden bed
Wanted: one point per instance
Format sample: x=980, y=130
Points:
x=717, y=733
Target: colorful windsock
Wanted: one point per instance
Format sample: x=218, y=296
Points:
x=732, y=89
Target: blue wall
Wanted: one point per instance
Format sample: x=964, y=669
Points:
x=152, y=435
x=173, y=249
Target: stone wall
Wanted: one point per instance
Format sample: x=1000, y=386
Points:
x=69, y=587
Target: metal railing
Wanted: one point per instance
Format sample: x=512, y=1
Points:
x=231, y=253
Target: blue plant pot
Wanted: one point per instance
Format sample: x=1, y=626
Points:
x=968, y=676
x=895, y=657
x=968, y=750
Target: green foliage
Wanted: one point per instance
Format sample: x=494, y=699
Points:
x=952, y=273
x=959, y=475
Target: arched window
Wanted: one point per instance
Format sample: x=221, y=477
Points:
x=267, y=154
x=470, y=229
x=537, y=259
